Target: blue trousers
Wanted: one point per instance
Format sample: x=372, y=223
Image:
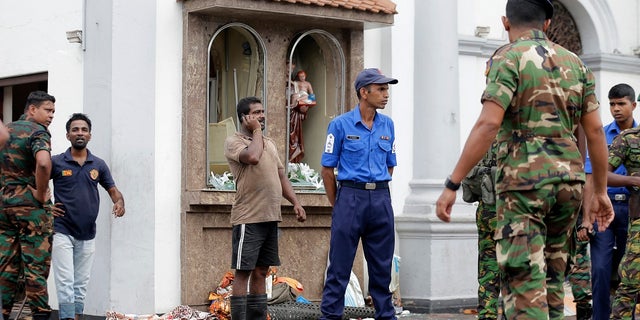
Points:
x=607, y=249
x=367, y=215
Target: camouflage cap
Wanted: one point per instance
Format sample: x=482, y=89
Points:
x=546, y=5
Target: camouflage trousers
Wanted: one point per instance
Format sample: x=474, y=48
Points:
x=488, y=271
x=532, y=247
x=579, y=269
x=629, y=270
x=25, y=250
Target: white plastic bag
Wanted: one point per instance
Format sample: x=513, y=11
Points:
x=395, y=274
x=353, y=296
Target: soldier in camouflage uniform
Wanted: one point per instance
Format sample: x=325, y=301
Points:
x=478, y=186
x=537, y=94
x=26, y=227
x=4, y=137
x=625, y=150
x=579, y=270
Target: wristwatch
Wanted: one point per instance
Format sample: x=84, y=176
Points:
x=450, y=185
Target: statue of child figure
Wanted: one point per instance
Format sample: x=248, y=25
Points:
x=304, y=90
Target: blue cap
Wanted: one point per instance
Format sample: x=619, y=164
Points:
x=372, y=75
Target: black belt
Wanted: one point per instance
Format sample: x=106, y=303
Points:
x=365, y=185
x=619, y=197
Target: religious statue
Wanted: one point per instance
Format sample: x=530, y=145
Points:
x=304, y=90
x=301, y=97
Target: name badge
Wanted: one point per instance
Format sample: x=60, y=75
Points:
x=351, y=137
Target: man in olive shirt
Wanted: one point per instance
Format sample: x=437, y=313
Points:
x=261, y=183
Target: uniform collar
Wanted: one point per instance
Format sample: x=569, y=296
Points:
x=23, y=117
x=614, y=128
x=532, y=34
x=246, y=137
x=69, y=158
x=357, y=117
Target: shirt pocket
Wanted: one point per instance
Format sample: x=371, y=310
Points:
x=634, y=156
x=354, y=152
x=384, y=147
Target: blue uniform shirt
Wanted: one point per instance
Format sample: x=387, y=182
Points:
x=361, y=155
x=611, y=131
x=76, y=187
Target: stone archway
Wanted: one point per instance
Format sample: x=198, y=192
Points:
x=563, y=29
x=593, y=21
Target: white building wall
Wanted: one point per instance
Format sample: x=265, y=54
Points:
x=626, y=15
x=132, y=91
x=33, y=34
x=168, y=139
x=134, y=99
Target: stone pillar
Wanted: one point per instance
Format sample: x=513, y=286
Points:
x=438, y=266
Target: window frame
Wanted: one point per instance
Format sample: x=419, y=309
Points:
x=263, y=50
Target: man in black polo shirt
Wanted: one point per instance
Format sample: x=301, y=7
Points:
x=76, y=174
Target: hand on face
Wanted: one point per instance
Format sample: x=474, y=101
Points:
x=251, y=122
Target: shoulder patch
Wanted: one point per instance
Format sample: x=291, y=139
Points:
x=489, y=63
x=328, y=146
x=94, y=174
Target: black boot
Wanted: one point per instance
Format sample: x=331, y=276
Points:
x=238, y=308
x=583, y=311
x=256, y=307
x=41, y=315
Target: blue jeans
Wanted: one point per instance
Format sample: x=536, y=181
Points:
x=607, y=249
x=71, y=264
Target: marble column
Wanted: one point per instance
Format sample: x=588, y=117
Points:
x=438, y=266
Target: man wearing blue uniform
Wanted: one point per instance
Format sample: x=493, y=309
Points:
x=607, y=247
x=360, y=143
x=76, y=174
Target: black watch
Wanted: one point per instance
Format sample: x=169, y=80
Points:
x=450, y=185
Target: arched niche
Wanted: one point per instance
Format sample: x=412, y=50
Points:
x=593, y=20
x=320, y=55
x=236, y=68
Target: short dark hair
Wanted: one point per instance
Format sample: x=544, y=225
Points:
x=368, y=87
x=244, y=106
x=36, y=98
x=523, y=13
x=622, y=90
x=78, y=116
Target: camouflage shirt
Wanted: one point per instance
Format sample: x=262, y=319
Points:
x=18, y=165
x=545, y=89
x=489, y=159
x=625, y=150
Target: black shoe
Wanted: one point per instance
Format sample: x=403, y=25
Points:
x=583, y=311
x=238, y=307
x=257, y=307
x=41, y=315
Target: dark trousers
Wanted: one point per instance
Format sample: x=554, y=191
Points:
x=367, y=215
x=607, y=249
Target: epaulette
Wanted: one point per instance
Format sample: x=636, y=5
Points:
x=629, y=131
